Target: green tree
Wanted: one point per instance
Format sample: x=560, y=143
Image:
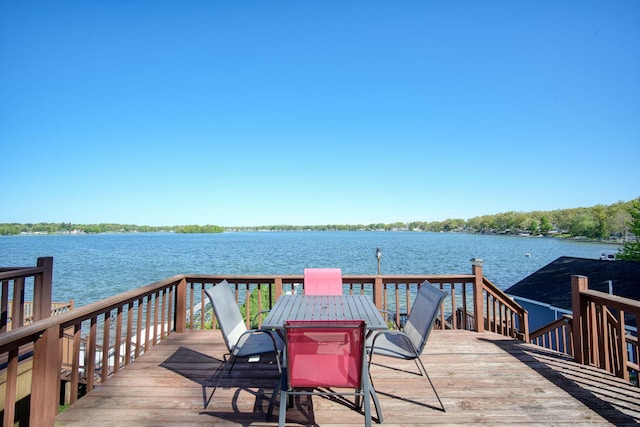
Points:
x=545, y=225
x=617, y=218
x=600, y=215
x=584, y=225
x=631, y=249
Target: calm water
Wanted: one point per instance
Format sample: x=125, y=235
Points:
x=90, y=267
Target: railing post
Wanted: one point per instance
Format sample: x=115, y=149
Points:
x=580, y=339
x=45, y=388
x=42, y=290
x=181, y=306
x=524, y=326
x=278, y=290
x=478, y=306
x=377, y=292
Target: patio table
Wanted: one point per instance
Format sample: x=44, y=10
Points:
x=324, y=307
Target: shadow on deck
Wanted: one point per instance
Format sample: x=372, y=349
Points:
x=481, y=378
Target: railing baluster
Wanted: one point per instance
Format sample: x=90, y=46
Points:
x=11, y=387
x=4, y=307
x=172, y=297
x=192, y=304
x=454, y=308
x=75, y=364
x=621, y=347
x=104, y=371
x=397, y=296
x=247, y=306
x=129, y=339
x=118, y=341
x=465, y=324
x=156, y=307
x=147, y=326
x=164, y=314
x=202, y=307
x=90, y=354
x=139, y=340
x=17, y=315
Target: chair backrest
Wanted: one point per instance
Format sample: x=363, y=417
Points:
x=227, y=313
x=423, y=315
x=322, y=281
x=325, y=353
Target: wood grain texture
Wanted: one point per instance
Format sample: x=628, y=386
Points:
x=481, y=378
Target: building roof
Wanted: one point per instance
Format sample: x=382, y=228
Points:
x=552, y=283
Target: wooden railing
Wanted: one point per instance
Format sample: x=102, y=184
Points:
x=503, y=315
x=116, y=331
x=557, y=335
x=600, y=333
x=57, y=308
x=468, y=296
x=89, y=344
x=14, y=282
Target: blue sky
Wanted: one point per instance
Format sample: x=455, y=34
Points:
x=305, y=113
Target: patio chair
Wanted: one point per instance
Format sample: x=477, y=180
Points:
x=241, y=342
x=323, y=355
x=409, y=342
x=322, y=281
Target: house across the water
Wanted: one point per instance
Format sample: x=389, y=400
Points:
x=546, y=294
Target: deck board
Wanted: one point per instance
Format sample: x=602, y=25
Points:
x=481, y=379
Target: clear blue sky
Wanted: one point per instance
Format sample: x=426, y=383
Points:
x=326, y=112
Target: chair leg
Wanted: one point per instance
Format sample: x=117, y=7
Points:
x=276, y=392
x=224, y=370
x=372, y=391
x=421, y=369
x=376, y=403
x=367, y=409
x=430, y=382
x=282, y=416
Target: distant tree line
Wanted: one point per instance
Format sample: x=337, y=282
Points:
x=597, y=222
x=69, y=228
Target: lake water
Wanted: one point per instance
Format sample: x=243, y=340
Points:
x=90, y=267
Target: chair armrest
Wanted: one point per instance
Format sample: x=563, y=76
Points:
x=276, y=347
x=392, y=316
x=260, y=313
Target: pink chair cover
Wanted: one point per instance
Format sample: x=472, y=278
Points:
x=325, y=353
x=322, y=281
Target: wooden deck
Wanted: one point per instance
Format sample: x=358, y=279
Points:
x=481, y=379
